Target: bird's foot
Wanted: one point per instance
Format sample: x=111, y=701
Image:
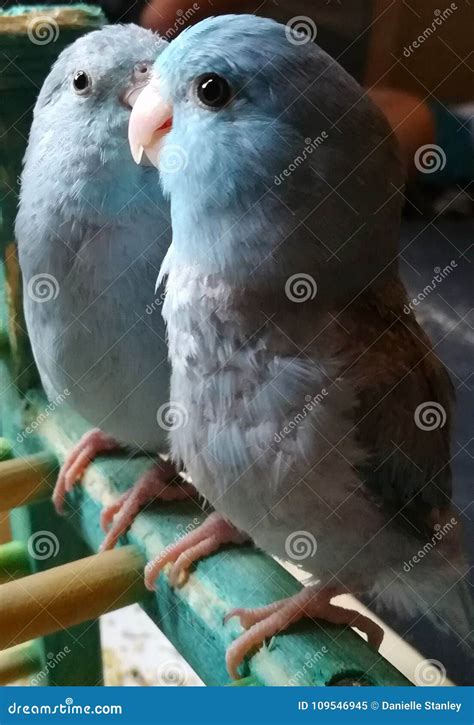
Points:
x=160, y=482
x=90, y=445
x=314, y=602
x=197, y=544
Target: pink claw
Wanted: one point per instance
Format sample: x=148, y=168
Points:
x=153, y=485
x=205, y=540
x=265, y=622
x=90, y=445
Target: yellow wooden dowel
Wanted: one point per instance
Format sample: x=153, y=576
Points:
x=59, y=598
x=19, y=662
x=26, y=480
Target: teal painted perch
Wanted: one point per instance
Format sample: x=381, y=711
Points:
x=193, y=616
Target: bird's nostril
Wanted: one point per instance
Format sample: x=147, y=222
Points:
x=141, y=69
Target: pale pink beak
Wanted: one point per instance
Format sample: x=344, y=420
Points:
x=151, y=119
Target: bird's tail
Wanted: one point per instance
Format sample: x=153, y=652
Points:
x=445, y=601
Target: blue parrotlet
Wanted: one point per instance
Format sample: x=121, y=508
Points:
x=92, y=231
x=310, y=394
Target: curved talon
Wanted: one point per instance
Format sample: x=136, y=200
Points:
x=180, y=570
x=107, y=515
x=88, y=447
x=153, y=485
x=203, y=541
x=249, y=617
x=266, y=622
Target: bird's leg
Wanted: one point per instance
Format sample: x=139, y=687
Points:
x=160, y=482
x=154, y=484
x=90, y=445
x=206, y=539
x=315, y=602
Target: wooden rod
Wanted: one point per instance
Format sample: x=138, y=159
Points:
x=26, y=480
x=14, y=561
x=18, y=662
x=77, y=592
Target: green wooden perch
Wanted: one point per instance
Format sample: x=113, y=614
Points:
x=50, y=600
x=192, y=617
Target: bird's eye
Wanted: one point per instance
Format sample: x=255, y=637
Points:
x=212, y=90
x=81, y=82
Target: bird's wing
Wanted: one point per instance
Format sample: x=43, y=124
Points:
x=403, y=416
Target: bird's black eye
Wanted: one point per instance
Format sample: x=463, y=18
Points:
x=213, y=90
x=81, y=82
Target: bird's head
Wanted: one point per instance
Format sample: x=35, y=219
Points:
x=94, y=82
x=271, y=153
x=78, y=154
